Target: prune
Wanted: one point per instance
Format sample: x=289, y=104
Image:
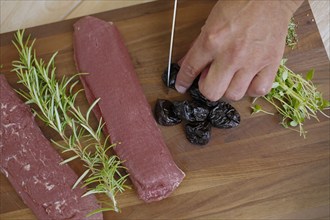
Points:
x=198, y=132
x=200, y=114
x=164, y=112
x=190, y=111
x=224, y=116
x=174, y=69
x=198, y=96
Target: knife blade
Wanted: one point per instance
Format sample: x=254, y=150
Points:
x=171, y=43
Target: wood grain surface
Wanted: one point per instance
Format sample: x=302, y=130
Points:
x=16, y=14
x=258, y=170
x=321, y=12
x=22, y=14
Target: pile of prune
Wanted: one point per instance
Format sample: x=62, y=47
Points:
x=198, y=114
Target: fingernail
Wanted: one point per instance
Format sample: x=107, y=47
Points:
x=180, y=89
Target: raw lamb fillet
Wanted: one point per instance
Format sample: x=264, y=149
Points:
x=100, y=51
x=32, y=166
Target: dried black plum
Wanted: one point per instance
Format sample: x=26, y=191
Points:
x=224, y=116
x=164, y=112
x=198, y=96
x=190, y=111
x=198, y=132
x=173, y=73
x=200, y=114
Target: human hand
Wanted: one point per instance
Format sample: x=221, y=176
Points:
x=238, y=50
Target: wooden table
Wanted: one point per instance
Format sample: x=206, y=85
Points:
x=258, y=170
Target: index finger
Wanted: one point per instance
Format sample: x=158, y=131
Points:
x=192, y=64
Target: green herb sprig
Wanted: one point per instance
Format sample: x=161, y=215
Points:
x=295, y=98
x=56, y=103
x=292, y=37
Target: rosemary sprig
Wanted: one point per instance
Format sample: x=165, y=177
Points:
x=295, y=98
x=56, y=103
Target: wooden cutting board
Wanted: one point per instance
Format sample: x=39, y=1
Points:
x=258, y=170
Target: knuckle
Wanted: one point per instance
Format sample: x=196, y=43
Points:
x=238, y=52
x=271, y=55
x=271, y=58
x=189, y=71
x=210, y=40
x=261, y=90
x=186, y=75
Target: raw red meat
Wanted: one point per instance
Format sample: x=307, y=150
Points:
x=100, y=51
x=32, y=166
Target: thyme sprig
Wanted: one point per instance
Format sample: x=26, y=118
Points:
x=292, y=37
x=56, y=107
x=295, y=98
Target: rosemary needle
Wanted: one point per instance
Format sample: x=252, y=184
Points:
x=56, y=107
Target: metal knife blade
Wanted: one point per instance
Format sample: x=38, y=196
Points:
x=171, y=43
